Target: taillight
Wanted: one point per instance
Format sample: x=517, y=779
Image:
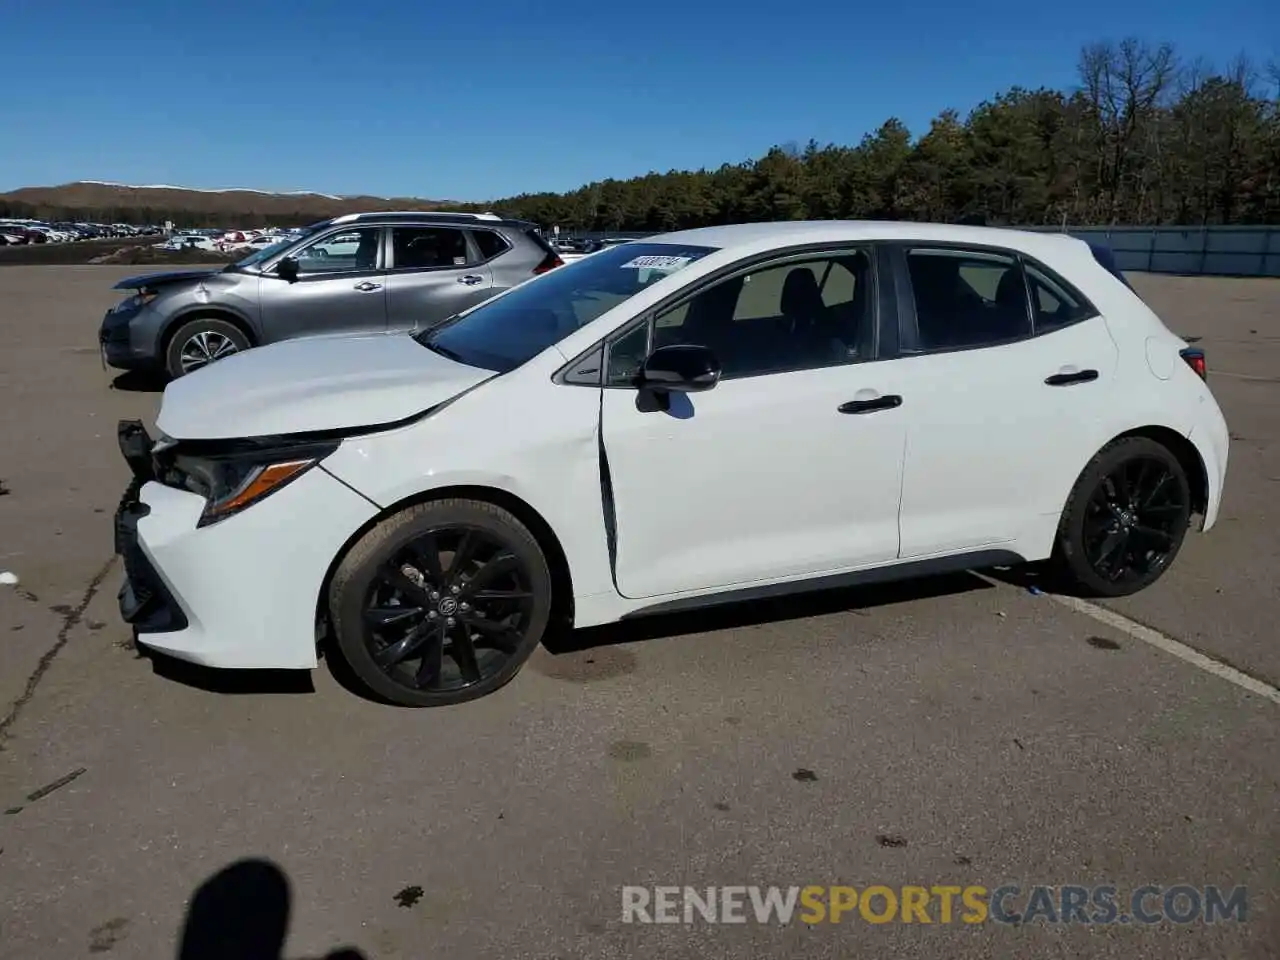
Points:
x=549, y=262
x=1195, y=360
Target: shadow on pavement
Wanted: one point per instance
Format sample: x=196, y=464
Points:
x=242, y=913
x=729, y=616
x=732, y=616
x=135, y=381
x=250, y=682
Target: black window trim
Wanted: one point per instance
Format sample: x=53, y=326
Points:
x=588, y=368
x=908, y=333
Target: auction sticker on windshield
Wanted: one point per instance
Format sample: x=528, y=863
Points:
x=657, y=263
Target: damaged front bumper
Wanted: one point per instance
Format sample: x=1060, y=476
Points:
x=239, y=593
x=145, y=602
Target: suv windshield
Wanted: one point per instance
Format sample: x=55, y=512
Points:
x=259, y=255
x=515, y=327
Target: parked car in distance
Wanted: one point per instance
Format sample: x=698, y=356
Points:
x=359, y=273
x=706, y=416
x=188, y=241
x=259, y=243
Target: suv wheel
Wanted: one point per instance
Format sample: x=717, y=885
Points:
x=199, y=343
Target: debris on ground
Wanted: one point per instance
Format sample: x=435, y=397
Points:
x=8, y=579
x=4, y=490
x=49, y=788
x=142, y=254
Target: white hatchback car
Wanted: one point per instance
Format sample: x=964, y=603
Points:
x=705, y=416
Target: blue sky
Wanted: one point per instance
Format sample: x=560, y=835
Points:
x=481, y=100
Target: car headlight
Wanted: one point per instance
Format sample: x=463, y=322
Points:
x=234, y=482
x=136, y=302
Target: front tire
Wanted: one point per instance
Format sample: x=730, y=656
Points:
x=1125, y=520
x=201, y=342
x=441, y=603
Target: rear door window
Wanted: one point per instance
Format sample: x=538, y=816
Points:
x=426, y=248
x=967, y=298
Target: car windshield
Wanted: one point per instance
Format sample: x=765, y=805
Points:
x=267, y=252
x=515, y=327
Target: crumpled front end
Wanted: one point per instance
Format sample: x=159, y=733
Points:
x=237, y=593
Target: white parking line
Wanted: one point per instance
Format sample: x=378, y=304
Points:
x=1161, y=642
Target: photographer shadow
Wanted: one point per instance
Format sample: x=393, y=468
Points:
x=242, y=913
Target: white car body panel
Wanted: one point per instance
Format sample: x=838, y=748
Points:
x=244, y=582
x=314, y=383
x=545, y=454
x=763, y=469
x=991, y=447
x=758, y=482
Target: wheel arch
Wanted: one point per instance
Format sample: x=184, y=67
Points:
x=225, y=314
x=562, y=610
x=1187, y=455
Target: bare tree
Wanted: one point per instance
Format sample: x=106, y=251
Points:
x=1124, y=84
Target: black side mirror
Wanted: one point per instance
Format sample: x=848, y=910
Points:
x=680, y=368
x=287, y=269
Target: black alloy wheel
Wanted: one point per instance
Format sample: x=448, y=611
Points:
x=448, y=610
x=442, y=603
x=1127, y=518
x=1132, y=520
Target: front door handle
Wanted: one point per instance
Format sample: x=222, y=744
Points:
x=1066, y=379
x=471, y=280
x=887, y=402
x=367, y=287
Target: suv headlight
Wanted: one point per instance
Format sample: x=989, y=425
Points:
x=136, y=302
x=231, y=483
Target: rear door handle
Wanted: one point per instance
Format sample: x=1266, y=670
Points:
x=471, y=280
x=1066, y=379
x=887, y=402
x=366, y=287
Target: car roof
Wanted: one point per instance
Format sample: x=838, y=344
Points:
x=416, y=215
x=761, y=236
x=421, y=216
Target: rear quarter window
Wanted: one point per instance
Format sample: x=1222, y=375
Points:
x=489, y=243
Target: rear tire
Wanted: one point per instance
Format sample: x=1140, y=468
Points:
x=441, y=603
x=198, y=343
x=1125, y=520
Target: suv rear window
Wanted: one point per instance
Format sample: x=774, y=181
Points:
x=490, y=243
x=533, y=234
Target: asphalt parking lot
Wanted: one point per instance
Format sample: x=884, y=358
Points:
x=958, y=731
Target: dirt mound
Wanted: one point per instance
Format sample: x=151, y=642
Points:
x=142, y=254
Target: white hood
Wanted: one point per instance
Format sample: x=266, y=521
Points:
x=320, y=383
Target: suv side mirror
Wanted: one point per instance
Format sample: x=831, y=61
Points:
x=680, y=368
x=287, y=269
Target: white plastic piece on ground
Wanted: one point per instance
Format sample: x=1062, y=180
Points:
x=8, y=579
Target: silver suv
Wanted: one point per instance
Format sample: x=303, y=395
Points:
x=359, y=273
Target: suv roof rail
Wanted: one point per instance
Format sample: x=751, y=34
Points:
x=440, y=214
